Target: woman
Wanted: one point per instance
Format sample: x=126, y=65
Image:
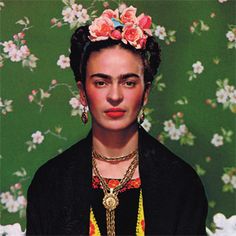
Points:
x=118, y=180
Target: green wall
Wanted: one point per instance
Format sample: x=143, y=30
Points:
x=174, y=92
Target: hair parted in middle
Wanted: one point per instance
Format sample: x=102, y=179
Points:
x=118, y=32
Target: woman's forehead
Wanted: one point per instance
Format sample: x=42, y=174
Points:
x=113, y=59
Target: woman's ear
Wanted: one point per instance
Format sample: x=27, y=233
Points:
x=146, y=93
x=82, y=93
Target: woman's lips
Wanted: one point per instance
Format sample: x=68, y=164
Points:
x=115, y=113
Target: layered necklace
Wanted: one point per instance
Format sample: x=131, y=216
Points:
x=110, y=200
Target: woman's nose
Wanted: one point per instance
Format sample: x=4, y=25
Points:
x=115, y=94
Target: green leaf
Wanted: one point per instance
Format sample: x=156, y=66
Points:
x=20, y=22
x=26, y=20
x=65, y=2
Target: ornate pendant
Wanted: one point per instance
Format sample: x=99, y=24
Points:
x=110, y=200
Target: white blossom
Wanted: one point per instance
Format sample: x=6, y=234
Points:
x=220, y=220
x=233, y=181
x=37, y=137
x=169, y=125
x=233, y=97
x=76, y=7
x=225, y=178
x=82, y=16
x=74, y=102
x=183, y=129
x=68, y=15
x=224, y=226
x=32, y=61
x=222, y=96
x=222, y=1
x=8, y=46
x=122, y=7
x=160, y=32
x=11, y=230
x=63, y=62
x=21, y=200
x=230, y=35
x=25, y=51
x=15, y=55
x=175, y=134
x=198, y=67
x=229, y=89
x=6, y=197
x=12, y=205
x=146, y=125
x=217, y=140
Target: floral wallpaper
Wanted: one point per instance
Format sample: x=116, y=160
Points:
x=191, y=110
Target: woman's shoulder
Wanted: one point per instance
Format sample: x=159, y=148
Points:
x=161, y=159
x=58, y=165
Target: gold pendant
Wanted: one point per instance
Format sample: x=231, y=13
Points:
x=110, y=200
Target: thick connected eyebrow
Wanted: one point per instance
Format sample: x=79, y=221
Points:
x=123, y=77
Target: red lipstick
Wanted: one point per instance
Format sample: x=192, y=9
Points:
x=115, y=112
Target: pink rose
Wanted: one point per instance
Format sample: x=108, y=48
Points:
x=144, y=21
x=100, y=29
x=116, y=34
x=134, y=35
x=128, y=15
x=110, y=14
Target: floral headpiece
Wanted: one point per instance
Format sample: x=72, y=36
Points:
x=134, y=30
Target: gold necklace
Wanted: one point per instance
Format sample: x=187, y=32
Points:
x=111, y=159
x=110, y=200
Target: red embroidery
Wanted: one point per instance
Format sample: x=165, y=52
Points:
x=143, y=225
x=91, y=228
x=112, y=183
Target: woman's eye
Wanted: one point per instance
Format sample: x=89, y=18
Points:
x=130, y=83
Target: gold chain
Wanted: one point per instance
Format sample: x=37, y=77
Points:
x=110, y=200
x=110, y=159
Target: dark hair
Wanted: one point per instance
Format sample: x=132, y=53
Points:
x=82, y=47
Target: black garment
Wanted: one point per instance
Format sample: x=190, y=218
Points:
x=59, y=196
x=126, y=212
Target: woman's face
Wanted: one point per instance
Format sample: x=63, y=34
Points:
x=114, y=88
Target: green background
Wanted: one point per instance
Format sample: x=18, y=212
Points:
x=48, y=44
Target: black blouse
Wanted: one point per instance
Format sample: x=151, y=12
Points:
x=126, y=212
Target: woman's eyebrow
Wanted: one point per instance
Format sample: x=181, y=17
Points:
x=101, y=75
x=123, y=76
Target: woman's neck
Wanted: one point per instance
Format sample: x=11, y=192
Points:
x=115, y=143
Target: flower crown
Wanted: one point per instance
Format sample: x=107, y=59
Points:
x=133, y=30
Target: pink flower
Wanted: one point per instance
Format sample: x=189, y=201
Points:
x=15, y=36
x=34, y=92
x=53, y=81
x=134, y=35
x=25, y=51
x=53, y=21
x=100, y=29
x=18, y=186
x=21, y=35
x=15, y=55
x=144, y=21
x=63, y=62
x=110, y=13
x=31, y=98
x=37, y=137
x=74, y=102
x=128, y=15
x=116, y=34
x=8, y=46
